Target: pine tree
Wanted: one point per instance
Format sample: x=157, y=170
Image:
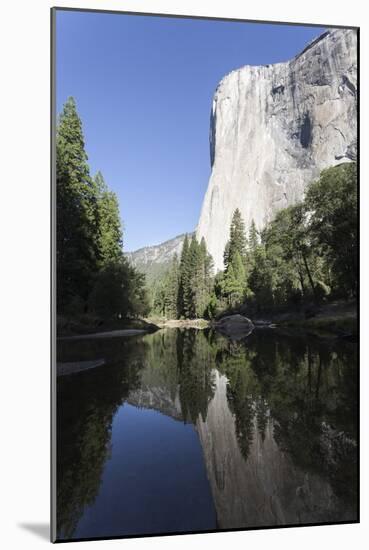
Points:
x=239, y=270
x=234, y=281
x=184, y=274
x=77, y=248
x=262, y=278
x=158, y=299
x=195, y=280
x=110, y=239
x=237, y=239
x=171, y=290
x=253, y=237
x=208, y=265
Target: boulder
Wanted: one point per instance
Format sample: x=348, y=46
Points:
x=235, y=327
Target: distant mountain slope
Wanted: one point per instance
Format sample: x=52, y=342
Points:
x=155, y=260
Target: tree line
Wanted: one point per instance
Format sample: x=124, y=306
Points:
x=306, y=255
x=93, y=275
x=185, y=290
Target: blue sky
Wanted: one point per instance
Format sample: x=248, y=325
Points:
x=144, y=88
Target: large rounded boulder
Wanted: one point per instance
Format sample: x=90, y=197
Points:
x=235, y=327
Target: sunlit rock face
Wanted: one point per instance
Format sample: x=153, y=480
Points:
x=265, y=488
x=273, y=129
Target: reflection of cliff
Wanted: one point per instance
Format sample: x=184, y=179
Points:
x=265, y=489
x=275, y=418
x=157, y=398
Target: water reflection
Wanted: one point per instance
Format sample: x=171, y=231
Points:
x=264, y=432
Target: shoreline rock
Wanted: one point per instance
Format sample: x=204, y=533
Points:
x=235, y=327
x=65, y=369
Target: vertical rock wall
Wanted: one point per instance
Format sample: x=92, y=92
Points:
x=273, y=129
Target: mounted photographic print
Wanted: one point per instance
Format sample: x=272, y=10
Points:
x=205, y=275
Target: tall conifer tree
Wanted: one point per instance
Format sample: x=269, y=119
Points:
x=110, y=238
x=253, y=237
x=184, y=274
x=237, y=239
x=77, y=248
x=171, y=290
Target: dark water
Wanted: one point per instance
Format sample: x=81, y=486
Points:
x=183, y=430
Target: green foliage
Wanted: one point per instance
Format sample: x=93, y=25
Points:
x=110, y=237
x=91, y=271
x=186, y=289
x=262, y=278
x=231, y=287
x=237, y=240
x=77, y=248
x=184, y=278
x=254, y=240
x=233, y=284
x=172, y=284
x=309, y=251
x=332, y=205
x=165, y=292
x=212, y=307
x=197, y=280
x=118, y=292
x=197, y=291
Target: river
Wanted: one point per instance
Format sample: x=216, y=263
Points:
x=185, y=431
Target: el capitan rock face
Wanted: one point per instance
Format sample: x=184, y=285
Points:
x=273, y=129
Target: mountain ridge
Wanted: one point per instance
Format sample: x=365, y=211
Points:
x=154, y=260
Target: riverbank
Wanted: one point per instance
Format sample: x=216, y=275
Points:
x=86, y=325
x=334, y=319
x=181, y=323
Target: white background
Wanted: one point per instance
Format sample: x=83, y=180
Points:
x=24, y=253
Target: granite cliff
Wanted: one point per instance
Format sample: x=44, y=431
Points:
x=273, y=129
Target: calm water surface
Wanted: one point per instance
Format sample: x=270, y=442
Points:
x=183, y=430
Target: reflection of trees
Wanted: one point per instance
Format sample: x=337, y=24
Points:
x=261, y=416
x=172, y=360
x=195, y=364
x=160, y=364
x=242, y=406
x=86, y=404
x=180, y=364
x=235, y=363
x=308, y=387
x=313, y=407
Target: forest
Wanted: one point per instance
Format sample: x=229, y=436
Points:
x=93, y=276
x=306, y=255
